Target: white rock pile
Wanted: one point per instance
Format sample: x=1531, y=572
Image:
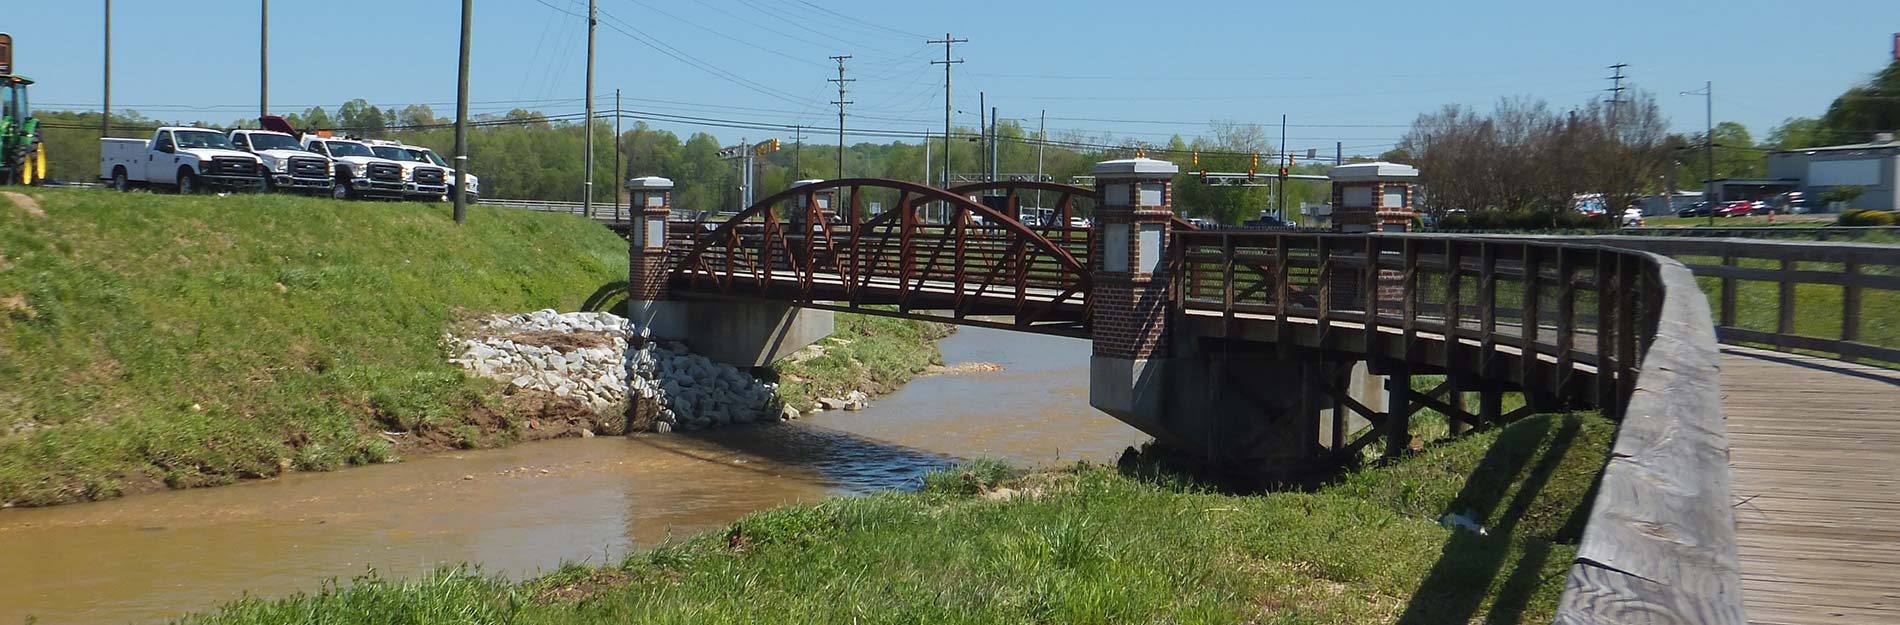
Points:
x=583, y=356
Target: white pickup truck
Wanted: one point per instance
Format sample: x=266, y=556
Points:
x=290, y=166
x=474, y=185
x=423, y=180
x=182, y=158
x=359, y=171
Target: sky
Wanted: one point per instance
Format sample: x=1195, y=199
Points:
x=1355, y=73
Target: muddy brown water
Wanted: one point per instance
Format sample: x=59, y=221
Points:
x=527, y=509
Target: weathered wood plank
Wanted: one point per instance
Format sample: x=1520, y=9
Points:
x=1659, y=544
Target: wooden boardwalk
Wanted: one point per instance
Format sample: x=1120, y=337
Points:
x=1815, y=446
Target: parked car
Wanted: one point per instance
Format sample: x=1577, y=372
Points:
x=1735, y=208
x=289, y=166
x=180, y=157
x=1698, y=209
x=1078, y=222
x=1267, y=221
x=359, y=171
x=1632, y=217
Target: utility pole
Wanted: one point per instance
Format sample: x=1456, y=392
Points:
x=587, y=163
x=461, y=121
x=982, y=134
x=841, y=102
x=947, y=41
x=1339, y=153
x=1280, y=205
x=1042, y=136
x=263, y=59
x=619, y=175
x=995, y=155
x=798, y=150
x=105, y=122
x=1616, y=94
x=926, y=178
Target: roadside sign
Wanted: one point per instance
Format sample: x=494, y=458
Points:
x=6, y=54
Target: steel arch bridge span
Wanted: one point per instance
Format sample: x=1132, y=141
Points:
x=810, y=246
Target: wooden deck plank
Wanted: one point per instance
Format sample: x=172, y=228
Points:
x=1815, y=449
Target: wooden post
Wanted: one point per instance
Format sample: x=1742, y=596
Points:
x=1627, y=268
x=1728, y=295
x=1607, y=297
x=1398, y=410
x=1228, y=325
x=1850, y=305
x=1566, y=320
x=1527, y=316
x=1457, y=400
x=1490, y=406
x=1784, y=311
x=1454, y=293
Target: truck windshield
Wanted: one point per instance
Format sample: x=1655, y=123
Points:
x=346, y=148
x=266, y=141
x=396, y=154
x=201, y=139
x=428, y=155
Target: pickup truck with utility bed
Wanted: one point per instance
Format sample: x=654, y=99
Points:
x=182, y=158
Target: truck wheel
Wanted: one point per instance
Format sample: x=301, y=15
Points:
x=340, y=191
x=187, y=183
x=120, y=181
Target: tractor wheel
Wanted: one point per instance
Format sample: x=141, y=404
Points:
x=39, y=160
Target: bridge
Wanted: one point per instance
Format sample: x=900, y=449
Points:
x=1744, y=485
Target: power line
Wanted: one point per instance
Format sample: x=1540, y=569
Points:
x=724, y=35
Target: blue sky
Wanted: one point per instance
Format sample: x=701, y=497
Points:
x=1354, y=72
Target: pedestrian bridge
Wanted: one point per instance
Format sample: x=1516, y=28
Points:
x=1745, y=485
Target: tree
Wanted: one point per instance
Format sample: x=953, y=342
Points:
x=315, y=117
x=1864, y=109
x=416, y=115
x=1736, y=156
x=1795, y=133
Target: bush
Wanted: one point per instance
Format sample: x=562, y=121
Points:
x=1858, y=217
x=1524, y=220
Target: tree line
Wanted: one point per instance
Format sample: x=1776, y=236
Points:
x=525, y=154
x=1524, y=156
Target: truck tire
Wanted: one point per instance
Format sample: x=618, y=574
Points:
x=187, y=182
x=120, y=181
x=340, y=191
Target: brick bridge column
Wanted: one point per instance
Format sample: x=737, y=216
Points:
x=1370, y=197
x=1129, y=320
x=652, y=198
x=795, y=207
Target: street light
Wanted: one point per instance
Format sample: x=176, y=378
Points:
x=1708, y=143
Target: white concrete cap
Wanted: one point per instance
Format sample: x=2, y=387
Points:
x=1135, y=167
x=649, y=183
x=1372, y=172
x=800, y=183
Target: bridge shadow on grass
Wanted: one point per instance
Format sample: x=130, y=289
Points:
x=851, y=462
x=1520, y=465
x=610, y=297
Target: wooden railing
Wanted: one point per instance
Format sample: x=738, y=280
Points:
x=1794, y=295
x=1659, y=544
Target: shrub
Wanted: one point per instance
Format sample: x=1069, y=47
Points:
x=1524, y=220
x=1859, y=217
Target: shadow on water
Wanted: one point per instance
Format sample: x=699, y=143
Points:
x=850, y=462
x=1470, y=564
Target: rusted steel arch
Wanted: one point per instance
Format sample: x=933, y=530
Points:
x=1015, y=187
x=912, y=193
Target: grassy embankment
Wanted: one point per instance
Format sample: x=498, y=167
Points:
x=866, y=353
x=1084, y=545
x=153, y=340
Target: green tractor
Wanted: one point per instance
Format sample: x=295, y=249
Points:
x=22, y=157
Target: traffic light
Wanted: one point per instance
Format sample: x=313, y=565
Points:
x=775, y=145
x=1203, y=176
x=1197, y=163
x=1289, y=159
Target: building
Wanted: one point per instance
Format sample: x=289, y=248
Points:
x=1873, y=166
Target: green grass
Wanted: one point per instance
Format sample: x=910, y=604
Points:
x=871, y=353
x=198, y=340
x=1817, y=307
x=1084, y=545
